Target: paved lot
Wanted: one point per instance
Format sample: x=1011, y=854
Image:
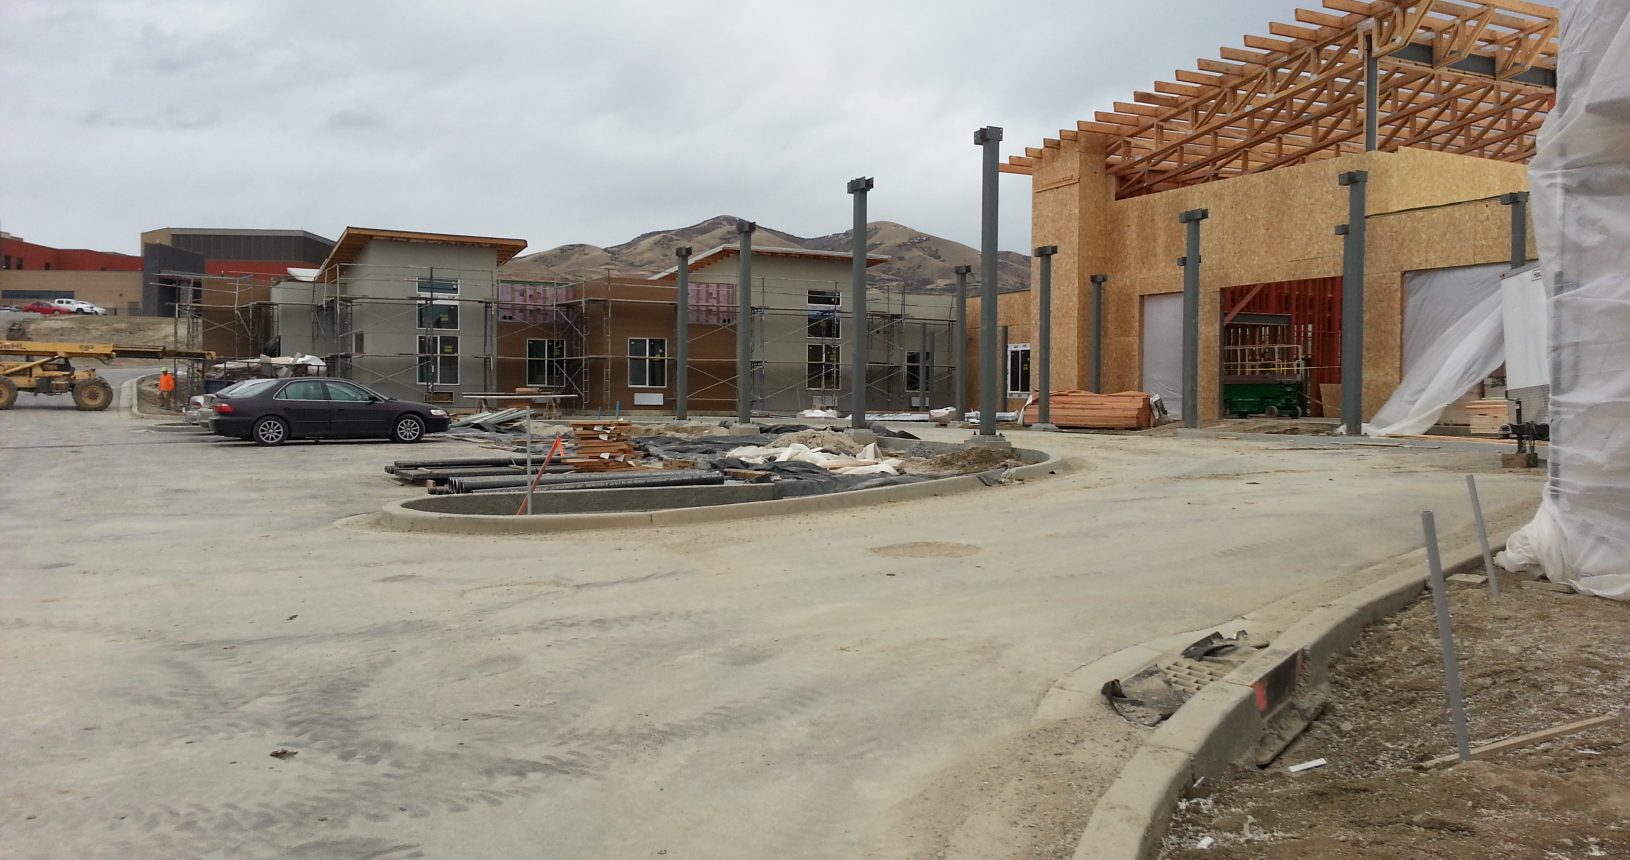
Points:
x=177, y=608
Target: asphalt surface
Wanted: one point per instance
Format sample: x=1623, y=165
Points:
x=177, y=609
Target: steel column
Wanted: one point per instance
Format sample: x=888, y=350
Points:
x=990, y=139
x=1518, y=201
x=959, y=349
x=682, y=335
x=1352, y=303
x=1044, y=339
x=1372, y=95
x=1098, y=333
x=1191, y=315
x=857, y=304
x=744, y=323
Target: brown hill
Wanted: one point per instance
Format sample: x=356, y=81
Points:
x=918, y=262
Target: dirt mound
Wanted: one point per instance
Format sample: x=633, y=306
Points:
x=967, y=460
x=829, y=440
x=135, y=331
x=680, y=429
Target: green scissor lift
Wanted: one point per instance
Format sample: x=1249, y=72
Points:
x=1263, y=370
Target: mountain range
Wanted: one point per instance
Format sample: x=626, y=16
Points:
x=918, y=262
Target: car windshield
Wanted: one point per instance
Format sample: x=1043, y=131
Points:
x=246, y=388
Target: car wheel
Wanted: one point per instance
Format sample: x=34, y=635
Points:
x=270, y=430
x=408, y=428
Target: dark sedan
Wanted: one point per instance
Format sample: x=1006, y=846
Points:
x=273, y=411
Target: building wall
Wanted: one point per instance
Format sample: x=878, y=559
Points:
x=298, y=246
x=19, y=255
x=1426, y=210
x=119, y=292
x=1016, y=311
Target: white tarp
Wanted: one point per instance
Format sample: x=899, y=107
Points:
x=1580, y=183
x=1163, y=349
x=1454, y=337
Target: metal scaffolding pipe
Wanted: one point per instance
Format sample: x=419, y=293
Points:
x=857, y=301
x=1518, y=201
x=1191, y=315
x=682, y=334
x=1352, y=303
x=1044, y=338
x=959, y=349
x=744, y=323
x=1098, y=333
x=990, y=139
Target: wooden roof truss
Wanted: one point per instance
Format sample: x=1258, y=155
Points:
x=1474, y=77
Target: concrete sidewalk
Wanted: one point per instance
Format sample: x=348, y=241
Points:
x=830, y=685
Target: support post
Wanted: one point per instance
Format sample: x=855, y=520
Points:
x=959, y=349
x=682, y=335
x=989, y=139
x=1044, y=338
x=1483, y=537
x=857, y=305
x=1518, y=201
x=1352, y=303
x=1372, y=94
x=1446, y=639
x=1098, y=333
x=744, y=323
x=1191, y=315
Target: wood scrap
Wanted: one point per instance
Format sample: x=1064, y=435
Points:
x=1130, y=410
x=1527, y=740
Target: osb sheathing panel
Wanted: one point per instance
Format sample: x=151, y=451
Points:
x=1271, y=226
x=1067, y=210
x=1015, y=311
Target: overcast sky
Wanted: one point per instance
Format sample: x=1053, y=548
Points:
x=550, y=121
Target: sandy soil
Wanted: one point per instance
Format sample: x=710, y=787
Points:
x=1532, y=660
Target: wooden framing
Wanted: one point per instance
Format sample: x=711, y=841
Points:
x=1471, y=77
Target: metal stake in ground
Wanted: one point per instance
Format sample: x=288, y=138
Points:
x=990, y=138
x=1446, y=638
x=744, y=323
x=1483, y=537
x=1352, y=303
x=1191, y=315
x=682, y=335
x=857, y=305
x=960, y=348
x=1044, y=332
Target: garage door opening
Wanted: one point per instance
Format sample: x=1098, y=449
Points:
x=1281, y=348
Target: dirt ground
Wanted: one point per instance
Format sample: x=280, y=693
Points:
x=1532, y=660
x=160, y=331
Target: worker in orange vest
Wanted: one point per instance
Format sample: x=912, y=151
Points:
x=166, y=388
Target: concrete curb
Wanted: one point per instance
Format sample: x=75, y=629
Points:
x=397, y=517
x=1221, y=723
x=132, y=398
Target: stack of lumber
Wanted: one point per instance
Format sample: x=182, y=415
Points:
x=1126, y=410
x=1487, y=416
x=601, y=446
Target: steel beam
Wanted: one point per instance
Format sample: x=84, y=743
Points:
x=1098, y=333
x=744, y=323
x=1044, y=338
x=989, y=139
x=682, y=334
x=959, y=350
x=857, y=305
x=1372, y=95
x=1352, y=303
x=1518, y=201
x=1191, y=315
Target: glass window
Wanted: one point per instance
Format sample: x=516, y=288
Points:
x=822, y=370
x=647, y=362
x=442, y=315
x=438, y=286
x=305, y=389
x=823, y=314
x=1018, y=370
x=438, y=359
x=917, y=365
x=246, y=388
x=545, y=362
x=347, y=392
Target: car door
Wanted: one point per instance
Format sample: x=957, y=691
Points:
x=305, y=403
x=357, y=412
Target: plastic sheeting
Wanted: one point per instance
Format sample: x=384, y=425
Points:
x=1580, y=179
x=1454, y=337
x=1163, y=348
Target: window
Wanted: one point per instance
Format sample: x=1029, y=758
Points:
x=438, y=287
x=823, y=314
x=546, y=362
x=48, y=267
x=443, y=315
x=823, y=367
x=7, y=264
x=305, y=389
x=917, y=365
x=647, y=362
x=438, y=359
x=1018, y=370
x=347, y=392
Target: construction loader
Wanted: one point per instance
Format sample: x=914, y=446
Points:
x=47, y=368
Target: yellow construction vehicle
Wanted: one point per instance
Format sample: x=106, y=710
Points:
x=47, y=368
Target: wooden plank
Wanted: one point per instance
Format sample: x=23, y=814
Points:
x=1528, y=740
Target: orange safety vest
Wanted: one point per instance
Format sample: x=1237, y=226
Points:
x=166, y=382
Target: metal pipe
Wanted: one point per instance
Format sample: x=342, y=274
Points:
x=1518, y=201
x=1352, y=303
x=959, y=349
x=1191, y=315
x=1372, y=95
x=990, y=138
x=682, y=335
x=1483, y=537
x=1044, y=339
x=1098, y=333
x=857, y=302
x=1446, y=638
x=744, y=323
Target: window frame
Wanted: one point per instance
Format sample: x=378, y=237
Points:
x=432, y=363
x=548, y=363
x=825, y=318
x=648, y=362
x=1024, y=369
x=916, y=366
x=823, y=363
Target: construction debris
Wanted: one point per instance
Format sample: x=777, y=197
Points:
x=601, y=446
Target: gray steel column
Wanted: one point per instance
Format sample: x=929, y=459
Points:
x=682, y=335
x=1191, y=315
x=857, y=305
x=1372, y=94
x=1518, y=201
x=1044, y=338
x=990, y=138
x=744, y=323
x=1098, y=333
x=959, y=349
x=1352, y=304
